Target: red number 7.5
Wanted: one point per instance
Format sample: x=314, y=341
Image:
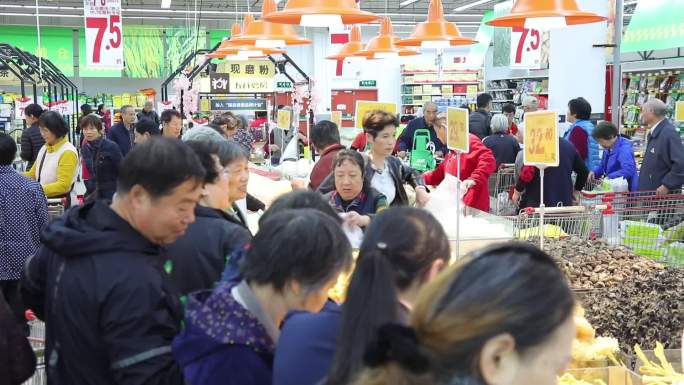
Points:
x=113, y=28
x=101, y=24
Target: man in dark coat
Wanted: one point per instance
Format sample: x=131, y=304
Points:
x=325, y=137
x=149, y=113
x=123, y=133
x=31, y=140
x=101, y=281
x=479, y=121
x=663, y=166
x=427, y=121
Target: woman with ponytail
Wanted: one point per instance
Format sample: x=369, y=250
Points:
x=502, y=317
x=403, y=248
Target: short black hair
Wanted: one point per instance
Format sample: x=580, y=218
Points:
x=204, y=150
x=100, y=107
x=168, y=114
x=300, y=199
x=159, y=165
x=508, y=108
x=605, y=130
x=54, y=122
x=86, y=109
x=483, y=100
x=91, y=120
x=324, y=134
x=8, y=149
x=580, y=107
x=34, y=110
x=352, y=156
x=229, y=152
x=147, y=126
x=286, y=250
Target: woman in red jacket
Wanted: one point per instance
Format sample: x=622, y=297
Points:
x=476, y=167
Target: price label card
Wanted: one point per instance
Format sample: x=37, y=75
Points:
x=526, y=47
x=336, y=117
x=457, y=136
x=541, y=139
x=679, y=111
x=284, y=119
x=103, y=34
x=362, y=107
x=20, y=105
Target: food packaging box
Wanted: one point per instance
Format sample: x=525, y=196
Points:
x=613, y=375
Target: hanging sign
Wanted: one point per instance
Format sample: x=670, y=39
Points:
x=164, y=105
x=249, y=76
x=368, y=83
x=336, y=117
x=64, y=107
x=104, y=35
x=362, y=107
x=526, y=48
x=284, y=119
x=284, y=86
x=218, y=83
x=238, y=104
x=8, y=78
x=20, y=104
x=679, y=111
x=541, y=139
x=457, y=136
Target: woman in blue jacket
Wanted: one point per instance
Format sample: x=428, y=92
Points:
x=580, y=133
x=230, y=334
x=618, y=157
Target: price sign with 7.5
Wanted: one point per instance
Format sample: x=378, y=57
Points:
x=104, y=34
x=526, y=48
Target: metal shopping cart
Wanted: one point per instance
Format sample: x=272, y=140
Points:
x=55, y=208
x=651, y=225
x=37, y=340
x=500, y=184
x=579, y=222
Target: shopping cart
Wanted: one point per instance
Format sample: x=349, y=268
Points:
x=37, y=340
x=651, y=225
x=55, y=208
x=581, y=222
x=500, y=184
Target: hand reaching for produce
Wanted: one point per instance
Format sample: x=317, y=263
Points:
x=516, y=197
x=662, y=190
x=422, y=196
x=591, y=177
x=354, y=218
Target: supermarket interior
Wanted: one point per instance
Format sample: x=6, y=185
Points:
x=331, y=192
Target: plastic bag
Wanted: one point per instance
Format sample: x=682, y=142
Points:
x=442, y=202
x=291, y=150
x=618, y=185
x=353, y=232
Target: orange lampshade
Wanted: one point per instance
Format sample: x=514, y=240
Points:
x=384, y=44
x=265, y=34
x=436, y=31
x=232, y=48
x=352, y=47
x=545, y=13
x=321, y=13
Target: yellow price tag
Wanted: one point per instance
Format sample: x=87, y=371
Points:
x=541, y=139
x=679, y=111
x=457, y=135
x=362, y=107
x=336, y=117
x=284, y=119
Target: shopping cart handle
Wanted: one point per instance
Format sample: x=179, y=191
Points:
x=29, y=315
x=565, y=209
x=54, y=201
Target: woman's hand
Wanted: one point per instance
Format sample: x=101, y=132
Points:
x=468, y=184
x=354, y=218
x=591, y=177
x=516, y=197
x=422, y=196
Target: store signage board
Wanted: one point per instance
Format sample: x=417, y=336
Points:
x=363, y=106
x=238, y=104
x=368, y=83
x=284, y=86
x=541, y=139
x=104, y=34
x=218, y=83
x=164, y=105
x=284, y=119
x=249, y=76
x=8, y=78
x=336, y=117
x=654, y=25
x=20, y=104
x=526, y=48
x=457, y=135
x=64, y=107
x=679, y=111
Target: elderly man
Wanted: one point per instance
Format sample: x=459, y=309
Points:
x=504, y=146
x=123, y=133
x=663, y=166
x=148, y=113
x=427, y=121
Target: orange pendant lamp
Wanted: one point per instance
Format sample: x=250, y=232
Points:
x=352, y=47
x=384, y=45
x=230, y=50
x=545, y=14
x=321, y=13
x=262, y=33
x=436, y=32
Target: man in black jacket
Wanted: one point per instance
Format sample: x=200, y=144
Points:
x=663, y=166
x=480, y=120
x=101, y=281
x=31, y=140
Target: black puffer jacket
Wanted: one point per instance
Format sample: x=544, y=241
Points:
x=31, y=142
x=479, y=123
x=109, y=306
x=17, y=361
x=401, y=174
x=102, y=158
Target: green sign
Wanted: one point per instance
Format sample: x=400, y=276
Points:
x=502, y=37
x=476, y=55
x=368, y=83
x=655, y=25
x=57, y=44
x=284, y=85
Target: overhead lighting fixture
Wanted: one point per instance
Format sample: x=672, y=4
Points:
x=270, y=35
x=545, y=14
x=318, y=13
x=407, y=3
x=350, y=48
x=473, y=4
x=166, y=4
x=384, y=45
x=436, y=32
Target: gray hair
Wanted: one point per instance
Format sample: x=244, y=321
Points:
x=203, y=134
x=125, y=107
x=429, y=104
x=656, y=106
x=530, y=102
x=499, y=124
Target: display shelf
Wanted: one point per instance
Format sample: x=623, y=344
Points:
x=438, y=82
x=438, y=94
x=437, y=72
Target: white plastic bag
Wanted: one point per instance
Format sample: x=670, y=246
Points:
x=442, y=203
x=619, y=184
x=291, y=149
x=353, y=232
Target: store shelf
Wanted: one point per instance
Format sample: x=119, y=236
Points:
x=437, y=83
x=436, y=72
x=502, y=101
x=502, y=89
x=440, y=94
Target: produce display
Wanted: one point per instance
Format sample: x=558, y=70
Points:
x=595, y=264
x=588, y=350
x=658, y=373
x=646, y=309
x=569, y=379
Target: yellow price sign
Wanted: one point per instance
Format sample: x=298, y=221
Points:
x=336, y=117
x=541, y=139
x=362, y=107
x=284, y=119
x=457, y=135
x=679, y=111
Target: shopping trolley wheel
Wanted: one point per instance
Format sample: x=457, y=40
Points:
x=29, y=315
